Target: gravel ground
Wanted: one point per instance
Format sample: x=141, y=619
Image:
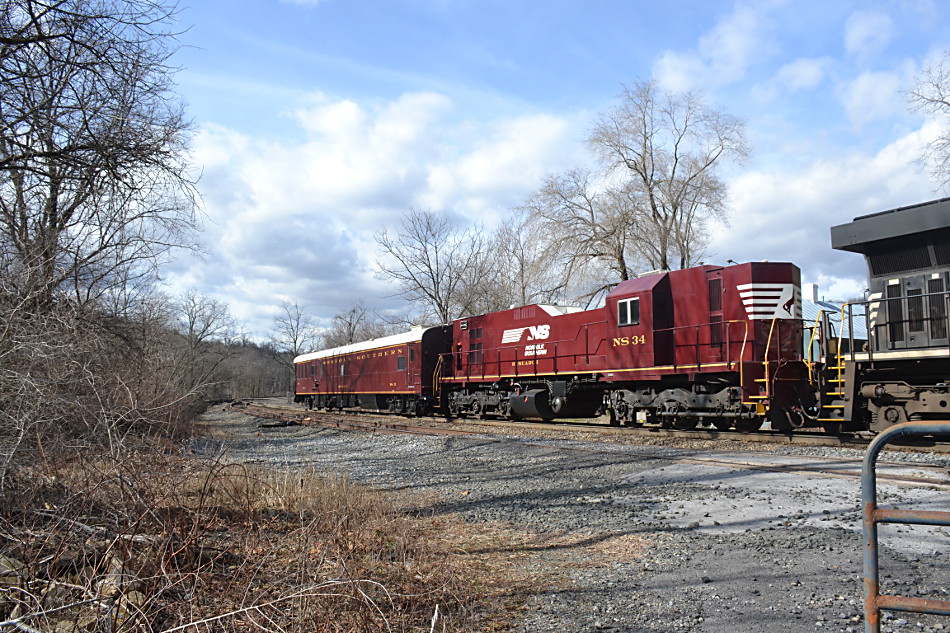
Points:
x=638, y=537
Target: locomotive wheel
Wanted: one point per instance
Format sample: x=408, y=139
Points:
x=748, y=425
x=722, y=424
x=612, y=416
x=685, y=423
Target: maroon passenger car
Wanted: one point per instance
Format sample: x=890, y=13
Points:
x=392, y=373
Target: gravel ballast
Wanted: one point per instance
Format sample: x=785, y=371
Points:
x=642, y=538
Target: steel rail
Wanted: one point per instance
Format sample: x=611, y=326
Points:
x=799, y=438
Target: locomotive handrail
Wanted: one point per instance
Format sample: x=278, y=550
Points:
x=745, y=338
x=883, y=320
x=811, y=345
x=437, y=381
x=765, y=360
x=874, y=600
x=495, y=356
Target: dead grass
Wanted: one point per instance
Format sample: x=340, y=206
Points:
x=158, y=543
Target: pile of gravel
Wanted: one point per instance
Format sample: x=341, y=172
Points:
x=722, y=549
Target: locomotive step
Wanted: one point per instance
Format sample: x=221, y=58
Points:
x=831, y=419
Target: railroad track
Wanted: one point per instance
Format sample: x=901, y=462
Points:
x=437, y=426
x=318, y=418
x=895, y=472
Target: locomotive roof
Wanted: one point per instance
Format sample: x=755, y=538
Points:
x=560, y=310
x=646, y=282
x=860, y=235
x=412, y=336
x=550, y=310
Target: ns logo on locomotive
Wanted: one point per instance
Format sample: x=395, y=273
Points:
x=718, y=346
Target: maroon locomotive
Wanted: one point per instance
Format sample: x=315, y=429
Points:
x=713, y=345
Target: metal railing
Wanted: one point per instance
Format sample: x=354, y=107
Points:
x=886, y=332
x=873, y=515
x=689, y=347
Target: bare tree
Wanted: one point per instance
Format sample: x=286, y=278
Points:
x=294, y=331
x=94, y=184
x=434, y=264
x=583, y=223
x=347, y=326
x=931, y=94
x=354, y=324
x=94, y=194
x=205, y=325
x=527, y=268
x=666, y=149
x=202, y=318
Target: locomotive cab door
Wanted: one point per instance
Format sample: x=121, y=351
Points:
x=916, y=309
x=714, y=336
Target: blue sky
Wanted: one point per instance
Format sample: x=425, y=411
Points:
x=318, y=123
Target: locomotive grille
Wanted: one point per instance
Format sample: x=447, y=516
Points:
x=898, y=261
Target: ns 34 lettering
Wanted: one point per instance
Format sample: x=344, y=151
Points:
x=624, y=341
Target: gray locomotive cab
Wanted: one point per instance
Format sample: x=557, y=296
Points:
x=908, y=257
x=915, y=311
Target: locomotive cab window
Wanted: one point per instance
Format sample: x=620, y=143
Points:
x=628, y=311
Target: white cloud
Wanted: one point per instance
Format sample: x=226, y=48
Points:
x=799, y=75
x=722, y=56
x=297, y=218
x=679, y=71
x=802, y=74
x=867, y=32
x=874, y=95
x=506, y=166
x=787, y=215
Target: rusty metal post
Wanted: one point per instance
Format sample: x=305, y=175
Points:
x=874, y=602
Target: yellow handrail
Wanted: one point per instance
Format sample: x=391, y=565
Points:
x=840, y=357
x=765, y=360
x=811, y=344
